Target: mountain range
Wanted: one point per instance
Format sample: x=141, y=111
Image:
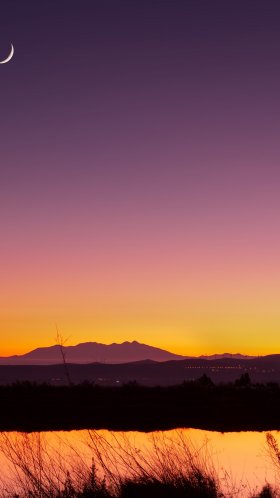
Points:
x=94, y=352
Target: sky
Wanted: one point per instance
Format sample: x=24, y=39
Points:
x=139, y=174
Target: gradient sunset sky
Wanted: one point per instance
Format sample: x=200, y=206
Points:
x=140, y=174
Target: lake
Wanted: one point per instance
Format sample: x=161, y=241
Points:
x=241, y=460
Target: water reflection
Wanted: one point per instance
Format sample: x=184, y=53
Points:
x=241, y=461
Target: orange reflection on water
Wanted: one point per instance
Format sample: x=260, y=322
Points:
x=240, y=461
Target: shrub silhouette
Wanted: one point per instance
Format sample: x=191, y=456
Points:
x=243, y=381
x=194, y=487
x=266, y=492
x=205, y=381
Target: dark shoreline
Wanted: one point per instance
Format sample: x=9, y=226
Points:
x=202, y=405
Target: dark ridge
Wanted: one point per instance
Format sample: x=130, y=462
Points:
x=145, y=372
x=201, y=404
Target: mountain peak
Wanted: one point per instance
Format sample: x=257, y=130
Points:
x=91, y=352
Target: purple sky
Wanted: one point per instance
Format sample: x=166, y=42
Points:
x=140, y=144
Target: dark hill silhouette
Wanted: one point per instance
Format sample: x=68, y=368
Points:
x=150, y=373
x=235, y=356
x=90, y=352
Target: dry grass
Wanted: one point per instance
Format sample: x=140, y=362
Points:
x=114, y=467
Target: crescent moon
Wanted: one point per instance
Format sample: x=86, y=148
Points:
x=11, y=54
